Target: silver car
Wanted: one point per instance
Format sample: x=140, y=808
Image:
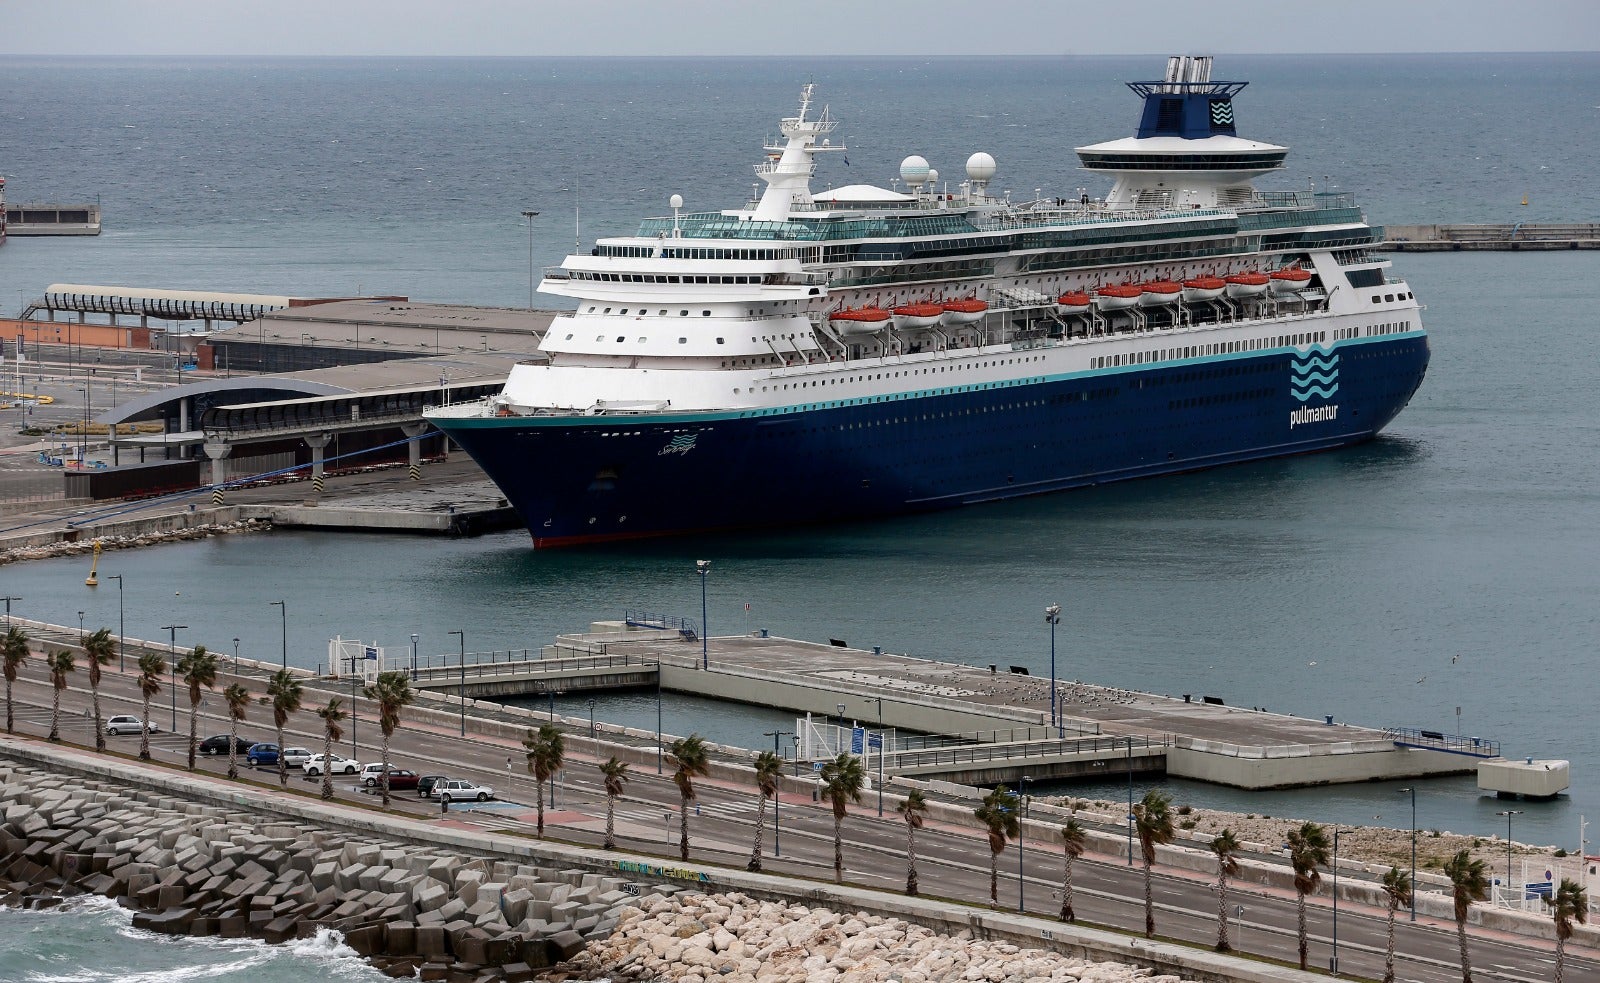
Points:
x=124, y=724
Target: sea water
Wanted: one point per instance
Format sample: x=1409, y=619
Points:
x=1449, y=564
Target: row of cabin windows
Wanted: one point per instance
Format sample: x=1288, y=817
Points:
x=641, y=312
x=1201, y=351
x=1391, y=327
x=1391, y=298
x=907, y=373
x=642, y=340
x=699, y=252
x=670, y=278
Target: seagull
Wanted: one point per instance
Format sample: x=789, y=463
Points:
x=1423, y=679
x=1311, y=663
x=1455, y=658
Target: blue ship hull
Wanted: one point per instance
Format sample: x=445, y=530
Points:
x=594, y=479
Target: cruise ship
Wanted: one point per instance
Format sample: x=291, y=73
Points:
x=865, y=351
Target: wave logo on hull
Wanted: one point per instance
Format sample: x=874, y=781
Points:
x=683, y=443
x=1314, y=374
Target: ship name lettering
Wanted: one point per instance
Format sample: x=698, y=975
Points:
x=1313, y=414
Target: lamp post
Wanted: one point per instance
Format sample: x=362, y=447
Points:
x=1052, y=617
x=591, y=723
x=283, y=612
x=13, y=597
x=658, y=717
x=462, y=692
x=881, y=744
x=529, y=215
x=413, y=656
x=80, y=629
x=236, y=657
x=1508, y=814
x=1333, y=965
x=1130, y=800
x=1022, y=883
x=355, y=752
x=703, y=567
x=122, y=664
x=172, y=635
x=777, y=851
x=1413, y=792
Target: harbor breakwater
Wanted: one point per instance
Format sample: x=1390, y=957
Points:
x=432, y=907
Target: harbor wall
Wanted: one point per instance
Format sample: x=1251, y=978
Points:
x=1300, y=765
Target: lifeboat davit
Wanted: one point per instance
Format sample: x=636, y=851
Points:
x=910, y=317
x=1203, y=288
x=1073, y=302
x=859, y=320
x=962, y=311
x=1290, y=279
x=1117, y=296
x=1159, y=292
x=1246, y=284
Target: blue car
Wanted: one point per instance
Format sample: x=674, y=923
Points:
x=262, y=754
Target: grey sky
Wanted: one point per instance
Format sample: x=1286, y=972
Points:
x=812, y=27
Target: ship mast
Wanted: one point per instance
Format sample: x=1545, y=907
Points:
x=788, y=176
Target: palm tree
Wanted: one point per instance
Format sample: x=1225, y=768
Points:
x=547, y=752
x=999, y=813
x=15, y=651
x=1397, y=886
x=769, y=769
x=1152, y=821
x=332, y=716
x=198, y=668
x=843, y=778
x=1469, y=882
x=1570, y=902
x=98, y=652
x=690, y=760
x=1226, y=846
x=284, y=694
x=913, y=808
x=392, y=692
x=238, y=700
x=152, y=669
x=59, y=663
x=615, y=777
x=1074, y=839
x=1308, y=850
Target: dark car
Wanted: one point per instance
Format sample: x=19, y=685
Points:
x=426, y=783
x=219, y=745
x=399, y=778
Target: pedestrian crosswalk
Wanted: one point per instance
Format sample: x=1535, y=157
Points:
x=737, y=809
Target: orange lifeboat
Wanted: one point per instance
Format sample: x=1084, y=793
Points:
x=1290, y=279
x=1073, y=302
x=964, y=310
x=1248, y=283
x=1159, y=292
x=1203, y=288
x=859, y=320
x=1117, y=296
x=914, y=316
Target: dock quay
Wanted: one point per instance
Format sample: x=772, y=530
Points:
x=53, y=219
x=987, y=725
x=1509, y=236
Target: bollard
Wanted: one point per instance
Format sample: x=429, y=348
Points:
x=444, y=806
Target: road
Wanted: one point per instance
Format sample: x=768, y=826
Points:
x=953, y=862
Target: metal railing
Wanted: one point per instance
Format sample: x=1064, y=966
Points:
x=1433, y=740
x=443, y=668
x=651, y=619
x=982, y=753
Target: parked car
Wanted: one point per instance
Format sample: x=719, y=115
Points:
x=261, y=754
x=457, y=789
x=372, y=770
x=296, y=757
x=124, y=724
x=334, y=765
x=426, y=783
x=219, y=745
x=399, y=779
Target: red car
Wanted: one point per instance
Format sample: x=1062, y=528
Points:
x=399, y=778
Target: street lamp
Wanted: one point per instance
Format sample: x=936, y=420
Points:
x=1333, y=965
x=283, y=611
x=1130, y=800
x=236, y=657
x=703, y=567
x=880, y=754
x=777, y=850
x=591, y=723
x=1052, y=617
x=462, y=692
x=413, y=656
x=658, y=716
x=172, y=635
x=80, y=629
x=121, y=662
x=529, y=215
x=1413, y=792
x=1022, y=784
x=13, y=597
x=1508, y=814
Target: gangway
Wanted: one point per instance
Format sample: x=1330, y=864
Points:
x=1433, y=740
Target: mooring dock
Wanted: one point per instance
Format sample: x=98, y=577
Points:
x=994, y=723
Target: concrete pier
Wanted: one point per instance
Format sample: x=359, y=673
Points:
x=1504, y=237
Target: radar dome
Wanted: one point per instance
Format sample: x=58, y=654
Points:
x=933, y=176
x=980, y=166
x=914, y=170
x=676, y=201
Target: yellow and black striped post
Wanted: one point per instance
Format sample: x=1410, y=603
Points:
x=217, y=495
x=416, y=472
x=316, y=482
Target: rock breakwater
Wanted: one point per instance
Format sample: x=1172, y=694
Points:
x=193, y=869
x=735, y=939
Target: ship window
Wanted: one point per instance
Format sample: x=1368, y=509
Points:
x=719, y=341
x=1389, y=298
x=591, y=308
x=599, y=337
x=683, y=341
x=624, y=310
x=643, y=340
x=661, y=313
x=683, y=313
x=621, y=339
x=569, y=337
x=606, y=311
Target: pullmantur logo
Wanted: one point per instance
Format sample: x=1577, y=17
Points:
x=1314, y=375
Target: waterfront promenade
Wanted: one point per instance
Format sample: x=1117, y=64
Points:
x=952, y=855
